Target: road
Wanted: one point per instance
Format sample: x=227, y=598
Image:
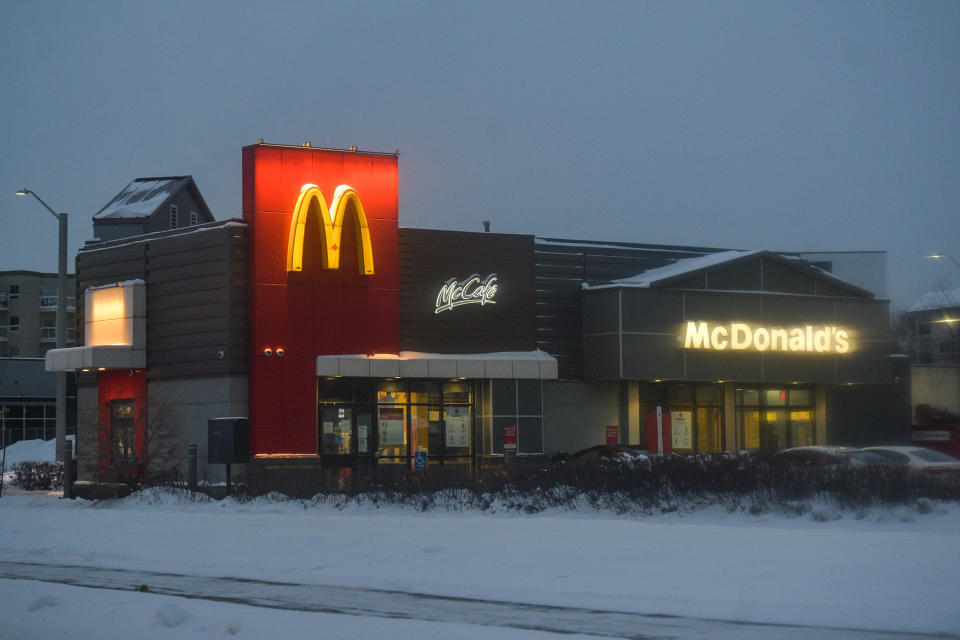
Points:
x=427, y=607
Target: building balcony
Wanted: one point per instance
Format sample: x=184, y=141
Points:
x=49, y=334
x=49, y=303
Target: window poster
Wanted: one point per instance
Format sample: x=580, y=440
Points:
x=681, y=424
x=458, y=427
x=362, y=438
x=391, y=426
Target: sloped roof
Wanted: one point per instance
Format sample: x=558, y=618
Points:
x=662, y=276
x=683, y=267
x=143, y=196
x=942, y=299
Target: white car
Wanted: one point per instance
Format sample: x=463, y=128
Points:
x=926, y=460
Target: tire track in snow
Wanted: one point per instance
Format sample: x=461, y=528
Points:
x=433, y=608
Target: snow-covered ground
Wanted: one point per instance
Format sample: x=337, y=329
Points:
x=895, y=570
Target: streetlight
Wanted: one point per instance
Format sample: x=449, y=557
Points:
x=940, y=256
x=61, y=323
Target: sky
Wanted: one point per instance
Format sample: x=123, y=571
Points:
x=751, y=125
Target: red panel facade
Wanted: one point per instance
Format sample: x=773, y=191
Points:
x=120, y=385
x=316, y=311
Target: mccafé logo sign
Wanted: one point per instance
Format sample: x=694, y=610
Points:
x=330, y=226
x=472, y=290
x=739, y=336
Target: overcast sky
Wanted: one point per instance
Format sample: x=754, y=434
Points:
x=784, y=126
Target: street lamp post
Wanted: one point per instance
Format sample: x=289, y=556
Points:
x=61, y=322
x=940, y=256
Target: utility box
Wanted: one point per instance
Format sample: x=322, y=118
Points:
x=228, y=440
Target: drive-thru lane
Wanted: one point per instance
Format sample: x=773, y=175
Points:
x=426, y=607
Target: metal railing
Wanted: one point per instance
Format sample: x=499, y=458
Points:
x=49, y=334
x=49, y=303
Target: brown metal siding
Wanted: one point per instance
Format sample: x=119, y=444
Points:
x=429, y=258
x=196, y=295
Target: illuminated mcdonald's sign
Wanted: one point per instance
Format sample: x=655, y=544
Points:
x=330, y=226
x=740, y=336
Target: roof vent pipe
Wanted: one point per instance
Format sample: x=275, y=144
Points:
x=486, y=226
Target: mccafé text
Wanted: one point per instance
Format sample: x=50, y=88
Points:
x=472, y=290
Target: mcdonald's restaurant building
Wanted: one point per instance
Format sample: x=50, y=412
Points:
x=347, y=340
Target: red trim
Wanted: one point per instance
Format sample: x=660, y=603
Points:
x=120, y=385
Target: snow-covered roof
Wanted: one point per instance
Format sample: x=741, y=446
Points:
x=682, y=267
x=141, y=198
x=942, y=299
x=686, y=266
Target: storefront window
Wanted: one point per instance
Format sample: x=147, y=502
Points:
x=364, y=430
x=336, y=430
x=709, y=421
x=420, y=429
x=391, y=432
x=518, y=403
x=801, y=428
x=765, y=424
x=774, y=397
x=391, y=393
x=696, y=414
x=457, y=421
x=408, y=416
x=457, y=392
x=773, y=430
x=748, y=421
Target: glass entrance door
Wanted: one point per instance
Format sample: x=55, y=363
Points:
x=336, y=430
x=122, y=432
x=771, y=419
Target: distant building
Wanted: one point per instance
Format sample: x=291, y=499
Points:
x=151, y=204
x=934, y=322
x=28, y=313
x=28, y=407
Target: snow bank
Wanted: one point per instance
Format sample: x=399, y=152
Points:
x=31, y=451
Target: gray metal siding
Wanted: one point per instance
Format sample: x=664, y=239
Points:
x=654, y=352
x=562, y=266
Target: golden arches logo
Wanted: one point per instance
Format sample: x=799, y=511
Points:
x=330, y=225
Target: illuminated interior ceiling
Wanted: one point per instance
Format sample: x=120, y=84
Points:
x=329, y=223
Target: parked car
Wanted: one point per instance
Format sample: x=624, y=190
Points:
x=825, y=456
x=920, y=458
x=607, y=454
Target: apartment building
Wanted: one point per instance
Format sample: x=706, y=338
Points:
x=28, y=313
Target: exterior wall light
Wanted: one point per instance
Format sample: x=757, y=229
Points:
x=280, y=352
x=268, y=352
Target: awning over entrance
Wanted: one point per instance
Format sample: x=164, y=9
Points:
x=523, y=365
x=98, y=357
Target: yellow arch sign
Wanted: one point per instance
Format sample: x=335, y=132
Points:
x=330, y=225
